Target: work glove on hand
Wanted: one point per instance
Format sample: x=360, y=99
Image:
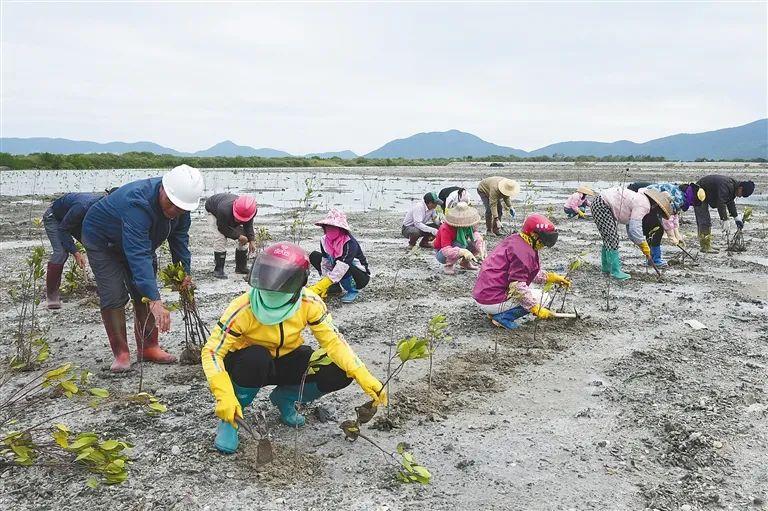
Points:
x=580, y=213
x=541, y=312
x=370, y=385
x=645, y=249
x=227, y=406
x=739, y=223
x=555, y=278
x=466, y=254
x=321, y=287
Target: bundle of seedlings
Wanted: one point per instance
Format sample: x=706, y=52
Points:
x=53, y=444
x=737, y=243
x=195, y=331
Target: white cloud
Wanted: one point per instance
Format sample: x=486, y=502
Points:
x=313, y=77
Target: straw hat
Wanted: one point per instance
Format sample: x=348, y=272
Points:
x=509, y=187
x=462, y=215
x=585, y=191
x=336, y=218
x=663, y=199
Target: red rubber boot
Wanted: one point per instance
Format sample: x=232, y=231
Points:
x=114, y=324
x=52, y=283
x=147, y=344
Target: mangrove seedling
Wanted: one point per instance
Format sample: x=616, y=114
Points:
x=29, y=340
x=195, y=330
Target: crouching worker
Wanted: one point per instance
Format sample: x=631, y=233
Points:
x=257, y=342
x=457, y=239
x=577, y=202
x=340, y=259
x=422, y=221
x=231, y=217
x=503, y=287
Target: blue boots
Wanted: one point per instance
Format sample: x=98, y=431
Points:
x=507, y=319
x=656, y=257
x=284, y=397
x=348, y=283
x=227, y=438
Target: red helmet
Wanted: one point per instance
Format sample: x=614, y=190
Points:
x=244, y=208
x=542, y=227
x=282, y=267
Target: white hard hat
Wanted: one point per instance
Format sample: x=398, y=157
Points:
x=184, y=186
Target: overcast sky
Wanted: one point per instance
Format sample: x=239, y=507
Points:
x=331, y=76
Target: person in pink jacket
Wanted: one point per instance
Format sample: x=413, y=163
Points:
x=577, y=202
x=619, y=205
x=503, y=288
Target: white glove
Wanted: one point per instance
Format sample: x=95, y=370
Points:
x=466, y=254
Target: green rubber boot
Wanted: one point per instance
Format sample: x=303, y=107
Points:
x=615, y=262
x=606, y=266
x=227, y=438
x=284, y=397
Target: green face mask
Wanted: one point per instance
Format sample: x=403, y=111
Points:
x=272, y=307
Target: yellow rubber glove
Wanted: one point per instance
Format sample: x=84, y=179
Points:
x=370, y=385
x=556, y=278
x=541, y=312
x=321, y=287
x=227, y=405
x=646, y=249
x=580, y=213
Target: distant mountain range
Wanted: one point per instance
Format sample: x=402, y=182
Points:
x=747, y=141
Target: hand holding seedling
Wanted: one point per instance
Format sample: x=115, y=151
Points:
x=161, y=314
x=80, y=259
x=186, y=284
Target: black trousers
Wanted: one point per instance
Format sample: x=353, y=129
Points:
x=360, y=277
x=653, y=230
x=254, y=366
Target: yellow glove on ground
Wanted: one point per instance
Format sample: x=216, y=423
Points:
x=556, y=278
x=227, y=405
x=646, y=249
x=541, y=312
x=370, y=385
x=321, y=287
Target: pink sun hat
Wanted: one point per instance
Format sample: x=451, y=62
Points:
x=336, y=218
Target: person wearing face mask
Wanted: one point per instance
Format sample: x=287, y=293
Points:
x=258, y=342
x=340, y=260
x=121, y=233
x=503, y=288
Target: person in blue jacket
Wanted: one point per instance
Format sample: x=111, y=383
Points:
x=63, y=222
x=121, y=233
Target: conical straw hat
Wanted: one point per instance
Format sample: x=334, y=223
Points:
x=462, y=215
x=509, y=187
x=663, y=199
x=585, y=190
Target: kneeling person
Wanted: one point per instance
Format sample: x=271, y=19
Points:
x=503, y=287
x=257, y=342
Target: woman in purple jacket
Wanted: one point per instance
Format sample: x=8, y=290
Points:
x=503, y=287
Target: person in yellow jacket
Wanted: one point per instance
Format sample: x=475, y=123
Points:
x=258, y=342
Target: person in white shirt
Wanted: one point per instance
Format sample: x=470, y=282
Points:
x=421, y=221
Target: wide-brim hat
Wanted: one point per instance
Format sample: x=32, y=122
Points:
x=663, y=200
x=462, y=215
x=586, y=191
x=509, y=187
x=335, y=218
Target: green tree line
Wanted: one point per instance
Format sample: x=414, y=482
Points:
x=143, y=160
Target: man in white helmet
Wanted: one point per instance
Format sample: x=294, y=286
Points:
x=121, y=233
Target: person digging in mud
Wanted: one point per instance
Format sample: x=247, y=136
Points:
x=422, y=221
x=231, y=217
x=458, y=239
x=63, y=221
x=721, y=193
x=503, y=287
x=682, y=197
x=496, y=193
x=640, y=212
x=258, y=342
x=121, y=233
x=340, y=260
x=576, y=205
x=452, y=196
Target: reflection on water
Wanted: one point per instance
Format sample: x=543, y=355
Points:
x=277, y=191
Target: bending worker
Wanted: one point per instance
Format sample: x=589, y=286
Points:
x=258, y=342
x=232, y=218
x=496, y=192
x=721, y=194
x=121, y=233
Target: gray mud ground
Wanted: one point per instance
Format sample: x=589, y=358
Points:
x=623, y=409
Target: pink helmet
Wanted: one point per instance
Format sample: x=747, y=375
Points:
x=244, y=208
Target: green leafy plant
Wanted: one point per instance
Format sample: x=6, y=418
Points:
x=29, y=338
x=195, y=330
x=298, y=215
x=262, y=237
x=435, y=337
